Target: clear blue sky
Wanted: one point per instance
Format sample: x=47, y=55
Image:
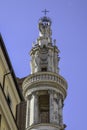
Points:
x=18, y=26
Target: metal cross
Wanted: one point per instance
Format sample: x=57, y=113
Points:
x=45, y=11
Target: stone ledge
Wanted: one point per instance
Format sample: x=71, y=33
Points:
x=45, y=76
x=45, y=126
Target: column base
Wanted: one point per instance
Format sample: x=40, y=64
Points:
x=46, y=126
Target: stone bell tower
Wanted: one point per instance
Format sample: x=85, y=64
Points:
x=44, y=89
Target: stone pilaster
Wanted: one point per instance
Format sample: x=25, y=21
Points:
x=53, y=107
x=28, y=113
x=34, y=109
x=60, y=112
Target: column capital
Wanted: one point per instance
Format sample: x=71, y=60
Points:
x=29, y=97
x=50, y=91
x=34, y=93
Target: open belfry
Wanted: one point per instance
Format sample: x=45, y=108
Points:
x=44, y=89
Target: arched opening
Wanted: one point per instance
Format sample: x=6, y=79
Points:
x=44, y=69
x=44, y=107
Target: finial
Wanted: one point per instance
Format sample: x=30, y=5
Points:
x=45, y=11
x=33, y=44
x=54, y=42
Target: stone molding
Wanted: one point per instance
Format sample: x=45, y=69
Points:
x=50, y=79
x=53, y=126
x=41, y=76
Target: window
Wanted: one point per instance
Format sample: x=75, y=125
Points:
x=44, y=108
x=9, y=100
x=44, y=69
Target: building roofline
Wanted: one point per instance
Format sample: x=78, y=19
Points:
x=2, y=45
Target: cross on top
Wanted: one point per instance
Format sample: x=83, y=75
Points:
x=45, y=11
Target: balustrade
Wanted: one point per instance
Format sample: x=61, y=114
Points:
x=46, y=77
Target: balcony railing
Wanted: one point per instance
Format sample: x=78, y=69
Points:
x=45, y=76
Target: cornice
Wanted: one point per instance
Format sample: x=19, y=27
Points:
x=37, y=80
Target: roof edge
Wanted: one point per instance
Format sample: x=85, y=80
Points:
x=2, y=45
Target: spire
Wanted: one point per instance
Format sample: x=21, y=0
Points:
x=45, y=31
x=44, y=54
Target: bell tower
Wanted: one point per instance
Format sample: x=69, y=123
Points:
x=44, y=89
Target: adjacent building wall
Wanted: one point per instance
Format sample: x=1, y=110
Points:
x=10, y=94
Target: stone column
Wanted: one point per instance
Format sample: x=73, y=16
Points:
x=60, y=112
x=56, y=120
x=53, y=107
x=28, y=113
x=34, y=109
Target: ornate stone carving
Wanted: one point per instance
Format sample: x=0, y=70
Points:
x=37, y=61
x=47, y=87
x=45, y=29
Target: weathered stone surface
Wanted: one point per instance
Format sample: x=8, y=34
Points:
x=45, y=86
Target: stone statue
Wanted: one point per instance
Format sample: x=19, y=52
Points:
x=37, y=61
x=45, y=29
